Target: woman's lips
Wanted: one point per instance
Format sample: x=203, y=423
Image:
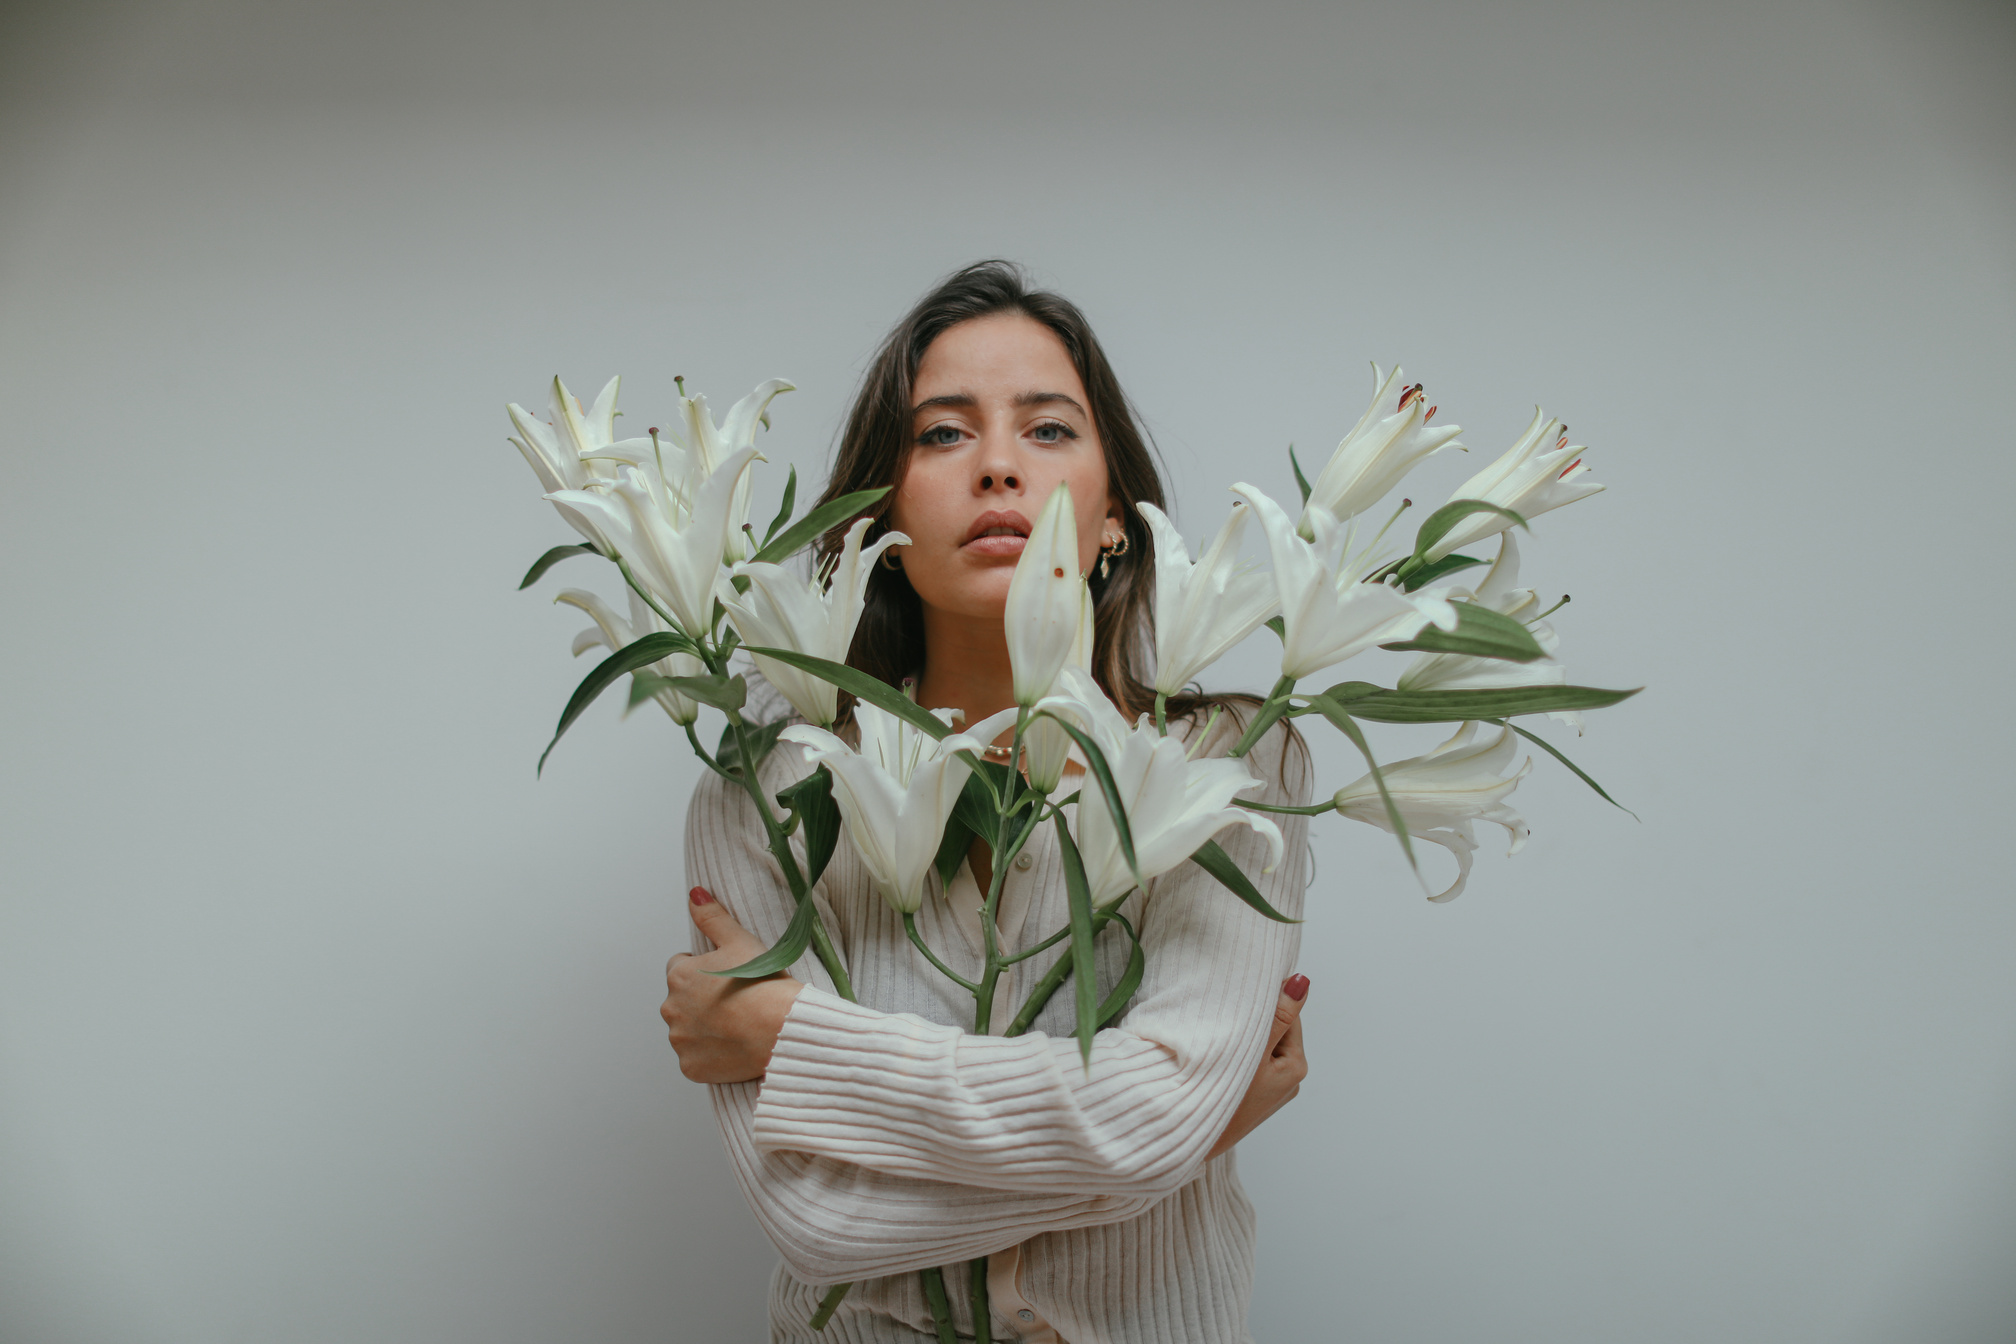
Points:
x=998, y=532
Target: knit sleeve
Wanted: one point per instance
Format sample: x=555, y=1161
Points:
x=832, y=1220
x=903, y=1096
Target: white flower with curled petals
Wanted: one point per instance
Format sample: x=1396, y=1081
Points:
x=1389, y=439
x=612, y=632
x=1442, y=794
x=670, y=532
x=1203, y=609
x=1328, y=612
x=817, y=616
x=1173, y=803
x=711, y=445
x=561, y=450
x=1538, y=473
x=896, y=791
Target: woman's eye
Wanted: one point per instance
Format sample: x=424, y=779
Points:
x=939, y=436
x=1051, y=431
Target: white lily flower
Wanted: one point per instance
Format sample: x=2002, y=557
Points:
x=896, y=792
x=1045, y=745
x=710, y=446
x=1443, y=794
x=612, y=632
x=1202, y=610
x=1047, y=598
x=787, y=611
x=673, y=541
x=1538, y=473
x=1388, y=440
x=1462, y=672
x=1328, y=612
x=559, y=451
x=1173, y=804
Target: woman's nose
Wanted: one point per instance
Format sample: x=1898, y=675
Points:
x=997, y=469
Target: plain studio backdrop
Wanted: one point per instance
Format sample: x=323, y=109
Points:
x=322, y=1019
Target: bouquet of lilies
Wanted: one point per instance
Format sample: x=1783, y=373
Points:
x=914, y=788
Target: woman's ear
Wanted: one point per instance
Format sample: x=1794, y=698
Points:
x=1116, y=520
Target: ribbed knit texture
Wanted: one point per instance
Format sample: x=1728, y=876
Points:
x=886, y=1137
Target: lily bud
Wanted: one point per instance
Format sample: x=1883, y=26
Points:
x=1046, y=599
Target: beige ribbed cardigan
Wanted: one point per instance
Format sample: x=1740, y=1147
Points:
x=886, y=1137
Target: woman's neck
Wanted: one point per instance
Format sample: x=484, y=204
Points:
x=966, y=665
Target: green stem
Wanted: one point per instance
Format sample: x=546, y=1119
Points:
x=941, y=1308
x=649, y=600
x=1312, y=810
x=983, y=1311
x=780, y=849
x=1161, y=714
x=1274, y=708
x=827, y=1304
x=1054, y=978
x=702, y=753
x=910, y=927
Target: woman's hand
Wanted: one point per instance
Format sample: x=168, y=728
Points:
x=724, y=1030
x=1282, y=1068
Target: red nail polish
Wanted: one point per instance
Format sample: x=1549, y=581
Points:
x=1297, y=986
x=699, y=896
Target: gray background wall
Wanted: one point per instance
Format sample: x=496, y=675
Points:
x=321, y=1020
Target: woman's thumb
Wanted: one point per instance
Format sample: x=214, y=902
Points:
x=1288, y=1007
x=712, y=919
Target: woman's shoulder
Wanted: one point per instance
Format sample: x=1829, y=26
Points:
x=1279, y=759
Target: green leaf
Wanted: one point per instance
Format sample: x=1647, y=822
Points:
x=1480, y=632
x=1440, y=523
x=1332, y=711
x=783, y=953
x=975, y=808
x=816, y=523
x=643, y=686
x=784, y=509
x=1213, y=859
x=626, y=659
x=762, y=737
x=1095, y=762
x=1301, y=481
x=1497, y=702
x=952, y=847
x=862, y=687
x=1083, y=966
x=1548, y=747
x=1130, y=980
x=811, y=798
x=550, y=559
x=1440, y=569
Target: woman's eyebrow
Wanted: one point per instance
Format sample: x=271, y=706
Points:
x=967, y=401
x=1045, y=398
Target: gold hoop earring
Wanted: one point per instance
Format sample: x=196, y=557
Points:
x=1111, y=552
x=890, y=562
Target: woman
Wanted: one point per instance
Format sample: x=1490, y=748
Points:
x=877, y=1139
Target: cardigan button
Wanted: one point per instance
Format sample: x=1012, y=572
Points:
x=1023, y=861
x=1025, y=1315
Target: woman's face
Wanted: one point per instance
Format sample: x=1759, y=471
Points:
x=998, y=418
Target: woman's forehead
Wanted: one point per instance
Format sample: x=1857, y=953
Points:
x=1003, y=357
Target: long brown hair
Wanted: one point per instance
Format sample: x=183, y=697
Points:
x=875, y=448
